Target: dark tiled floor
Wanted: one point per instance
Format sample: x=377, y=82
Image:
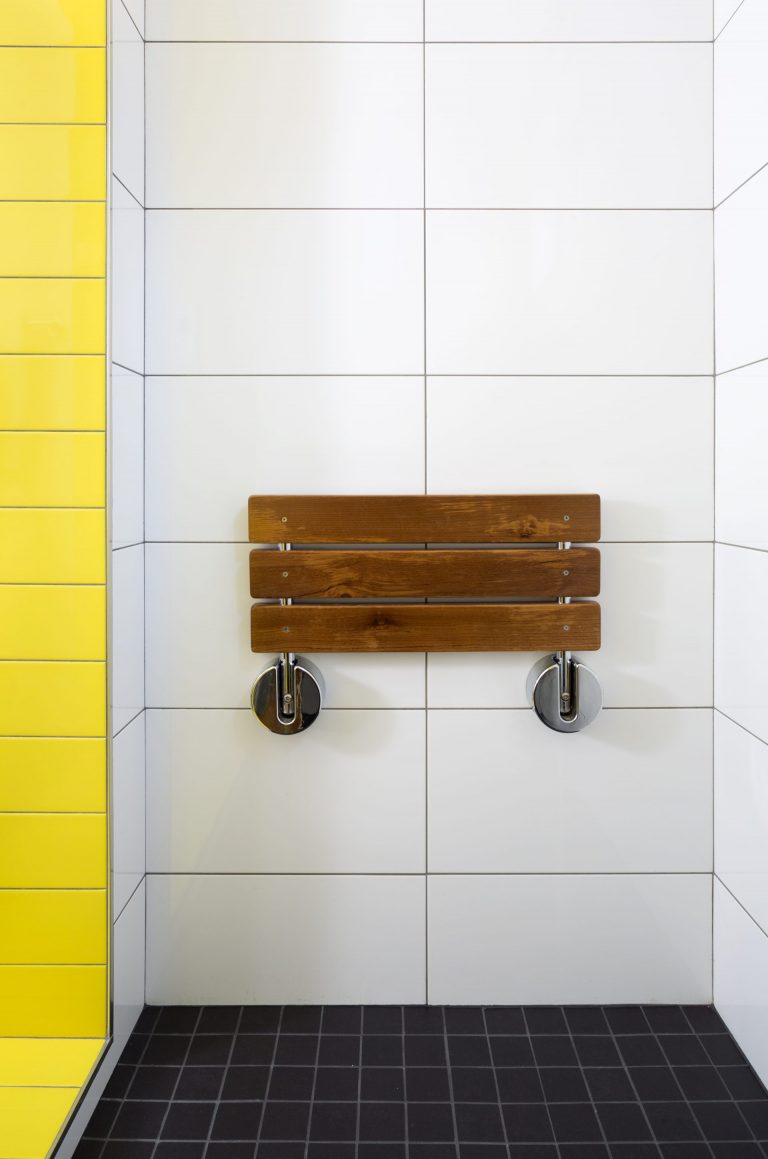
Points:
x=338, y=1082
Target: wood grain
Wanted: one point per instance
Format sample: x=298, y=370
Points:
x=423, y=518
x=425, y=627
x=439, y=573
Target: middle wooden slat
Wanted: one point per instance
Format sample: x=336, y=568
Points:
x=408, y=573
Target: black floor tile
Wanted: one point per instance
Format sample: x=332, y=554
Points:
x=415, y=1082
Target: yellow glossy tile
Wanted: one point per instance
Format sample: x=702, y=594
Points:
x=52, y=622
x=50, y=392
x=38, y=698
x=52, y=239
x=47, y=1062
x=56, y=927
x=52, y=85
x=53, y=851
x=51, y=469
x=52, y=316
x=53, y=162
x=31, y=1118
x=53, y=775
x=40, y=545
x=52, y=22
x=53, y=1001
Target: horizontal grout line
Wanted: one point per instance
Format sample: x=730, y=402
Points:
x=52, y=430
x=522, y=546
x=129, y=369
x=741, y=185
x=127, y=546
x=128, y=723
x=732, y=369
x=52, y=200
x=741, y=905
x=741, y=546
x=728, y=21
x=53, y=277
x=435, y=707
x=416, y=374
x=738, y=724
x=422, y=42
x=428, y=209
x=436, y=873
x=116, y=916
x=130, y=192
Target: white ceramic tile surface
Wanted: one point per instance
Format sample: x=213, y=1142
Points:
x=656, y=652
x=292, y=939
x=570, y=939
x=569, y=292
x=127, y=280
x=127, y=653
x=284, y=20
x=630, y=794
x=348, y=133
x=127, y=457
x=742, y=465
x=741, y=637
x=285, y=292
x=741, y=816
x=569, y=125
x=588, y=434
x=226, y=796
x=127, y=88
x=128, y=812
x=128, y=966
x=741, y=978
x=741, y=266
x=741, y=97
x=212, y=442
x=568, y=19
x=198, y=639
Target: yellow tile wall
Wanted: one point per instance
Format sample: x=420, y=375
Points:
x=54, y=912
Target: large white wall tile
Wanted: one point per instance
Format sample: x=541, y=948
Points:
x=127, y=280
x=294, y=939
x=198, y=639
x=742, y=466
x=284, y=20
x=741, y=637
x=656, y=638
x=741, y=816
x=128, y=812
x=568, y=938
x=127, y=457
x=285, y=292
x=741, y=97
x=127, y=112
x=569, y=292
x=212, y=442
x=568, y=19
x=226, y=796
x=527, y=435
x=349, y=131
x=127, y=652
x=741, y=268
x=741, y=978
x=632, y=793
x=537, y=125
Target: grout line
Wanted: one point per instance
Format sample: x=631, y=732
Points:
x=176, y=1084
x=746, y=181
x=123, y=1099
x=415, y=875
x=683, y=1096
x=269, y=1081
x=428, y=208
x=130, y=17
x=130, y=193
x=541, y=1084
x=417, y=43
x=714, y=517
x=449, y=1075
x=225, y=1072
x=742, y=366
x=743, y=727
x=124, y=906
x=415, y=374
x=589, y=1089
x=728, y=21
x=741, y=906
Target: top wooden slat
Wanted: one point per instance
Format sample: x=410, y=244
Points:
x=423, y=518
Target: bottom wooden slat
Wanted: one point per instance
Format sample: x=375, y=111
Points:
x=425, y=627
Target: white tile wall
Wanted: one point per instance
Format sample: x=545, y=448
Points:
x=212, y=442
x=631, y=794
x=127, y=279
x=586, y=434
x=611, y=938
x=227, y=796
x=742, y=465
x=741, y=809
x=285, y=292
x=127, y=652
x=127, y=457
x=332, y=20
x=198, y=639
x=294, y=939
x=341, y=123
x=127, y=90
x=553, y=20
x=566, y=126
x=656, y=652
x=569, y=293
x=741, y=79
x=741, y=265
x=128, y=812
x=741, y=637
x=741, y=978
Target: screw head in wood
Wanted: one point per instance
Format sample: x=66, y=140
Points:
x=566, y=627
x=285, y=575
x=566, y=519
x=565, y=572
x=284, y=519
x=286, y=628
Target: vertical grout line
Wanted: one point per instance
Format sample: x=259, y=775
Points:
x=224, y=1074
x=714, y=519
x=426, y=487
x=144, y=465
x=153, y=1153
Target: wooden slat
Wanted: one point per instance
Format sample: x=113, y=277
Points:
x=423, y=518
x=424, y=627
x=439, y=573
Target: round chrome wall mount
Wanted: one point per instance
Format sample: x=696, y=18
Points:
x=565, y=694
x=288, y=695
